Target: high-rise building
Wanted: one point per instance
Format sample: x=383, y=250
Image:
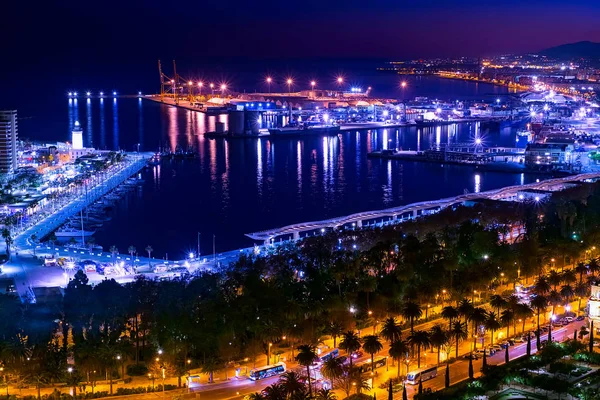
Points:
x=8, y=141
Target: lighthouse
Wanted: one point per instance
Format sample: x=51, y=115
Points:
x=77, y=137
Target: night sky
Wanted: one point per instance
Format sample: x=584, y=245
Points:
x=63, y=39
x=122, y=29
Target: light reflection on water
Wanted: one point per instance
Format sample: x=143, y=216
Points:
x=236, y=186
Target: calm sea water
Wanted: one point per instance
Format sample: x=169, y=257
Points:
x=240, y=186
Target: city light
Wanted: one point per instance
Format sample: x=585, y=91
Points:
x=114, y=93
x=403, y=84
x=313, y=83
x=191, y=255
x=200, y=84
x=340, y=80
x=101, y=93
x=478, y=141
x=223, y=87
x=88, y=94
x=438, y=110
x=269, y=80
x=190, y=83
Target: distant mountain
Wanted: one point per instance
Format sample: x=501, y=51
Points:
x=572, y=51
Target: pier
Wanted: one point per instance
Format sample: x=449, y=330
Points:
x=499, y=159
x=132, y=164
x=406, y=212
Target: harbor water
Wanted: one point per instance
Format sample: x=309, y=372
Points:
x=239, y=186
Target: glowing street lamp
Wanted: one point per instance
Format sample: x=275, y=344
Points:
x=403, y=84
x=200, y=84
x=212, y=88
x=340, y=80
x=289, y=83
x=223, y=88
x=269, y=80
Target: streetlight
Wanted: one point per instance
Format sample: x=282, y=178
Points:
x=212, y=88
x=150, y=376
x=200, y=84
x=289, y=83
x=269, y=80
x=312, y=86
x=223, y=87
x=269, y=354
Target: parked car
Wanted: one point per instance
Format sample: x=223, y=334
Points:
x=504, y=345
x=511, y=342
x=569, y=319
x=487, y=351
x=496, y=347
x=580, y=318
x=520, y=339
x=472, y=356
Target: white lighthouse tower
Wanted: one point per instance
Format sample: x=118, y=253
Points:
x=77, y=137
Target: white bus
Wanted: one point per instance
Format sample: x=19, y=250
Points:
x=422, y=374
x=266, y=371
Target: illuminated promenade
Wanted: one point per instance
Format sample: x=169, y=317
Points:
x=405, y=212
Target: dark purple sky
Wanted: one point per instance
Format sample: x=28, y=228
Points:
x=68, y=31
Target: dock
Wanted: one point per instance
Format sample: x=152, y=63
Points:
x=496, y=159
x=132, y=164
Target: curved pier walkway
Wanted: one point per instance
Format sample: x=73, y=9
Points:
x=406, y=212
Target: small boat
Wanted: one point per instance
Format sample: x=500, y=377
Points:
x=303, y=130
x=72, y=232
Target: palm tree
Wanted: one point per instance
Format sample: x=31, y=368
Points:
x=569, y=276
x=539, y=304
x=581, y=269
x=450, y=313
x=567, y=292
x=419, y=339
x=6, y=235
x=477, y=317
x=291, y=383
x=541, y=286
x=256, y=396
x=113, y=251
x=326, y=394
x=306, y=356
x=372, y=345
x=411, y=311
x=581, y=290
x=332, y=369
x=492, y=324
x=398, y=350
x=554, y=279
x=350, y=343
x=465, y=307
x=131, y=250
x=555, y=299
x=438, y=337
x=523, y=312
x=498, y=302
x=149, y=250
x=594, y=266
x=335, y=330
x=390, y=330
x=275, y=391
x=459, y=332
x=507, y=317
x=210, y=366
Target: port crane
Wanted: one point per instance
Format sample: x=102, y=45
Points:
x=171, y=86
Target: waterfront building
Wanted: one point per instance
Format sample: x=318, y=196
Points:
x=8, y=141
x=593, y=305
x=548, y=154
